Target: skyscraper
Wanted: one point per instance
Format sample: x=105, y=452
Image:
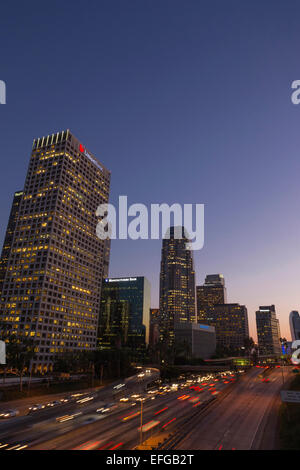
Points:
x=124, y=312
x=295, y=325
x=9, y=235
x=177, y=283
x=231, y=325
x=52, y=285
x=211, y=293
x=268, y=330
x=154, y=329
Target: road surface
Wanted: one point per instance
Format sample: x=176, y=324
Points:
x=117, y=429
x=236, y=421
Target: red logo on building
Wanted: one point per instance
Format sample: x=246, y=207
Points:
x=81, y=148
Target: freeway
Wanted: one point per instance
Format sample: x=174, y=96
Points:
x=216, y=411
x=237, y=421
x=42, y=423
x=119, y=428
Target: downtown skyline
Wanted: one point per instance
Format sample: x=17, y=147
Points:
x=219, y=130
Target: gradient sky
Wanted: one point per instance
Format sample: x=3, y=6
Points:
x=184, y=101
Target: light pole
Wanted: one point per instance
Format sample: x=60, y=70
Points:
x=141, y=429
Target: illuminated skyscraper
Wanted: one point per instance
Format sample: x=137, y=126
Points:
x=268, y=332
x=231, y=325
x=177, y=283
x=211, y=293
x=52, y=285
x=295, y=325
x=9, y=235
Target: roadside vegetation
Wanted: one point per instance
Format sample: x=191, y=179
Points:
x=289, y=427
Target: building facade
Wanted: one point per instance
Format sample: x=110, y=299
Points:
x=211, y=293
x=294, y=320
x=52, y=285
x=198, y=341
x=154, y=332
x=177, y=283
x=268, y=332
x=124, y=313
x=231, y=325
x=9, y=235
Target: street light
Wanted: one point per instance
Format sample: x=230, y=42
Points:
x=141, y=430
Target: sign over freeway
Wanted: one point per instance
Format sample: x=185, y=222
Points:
x=290, y=396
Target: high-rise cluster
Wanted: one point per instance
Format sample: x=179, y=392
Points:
x=54, y=282
x=229, y=319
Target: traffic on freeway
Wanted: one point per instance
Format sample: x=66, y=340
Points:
x=120, y=416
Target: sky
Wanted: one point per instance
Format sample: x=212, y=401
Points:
x=185, y=102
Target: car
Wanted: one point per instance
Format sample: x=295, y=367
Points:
x=64, y=400
x=85, y=399
x=106, y=408
x=142, y=399
x=8, y=414
x=90, y=419
x=37, y=407
x=62, y=419
x=53, y=403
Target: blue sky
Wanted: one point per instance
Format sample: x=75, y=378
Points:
x=184, y=101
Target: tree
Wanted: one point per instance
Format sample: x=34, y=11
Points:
x=20, y=350
x=248, y=344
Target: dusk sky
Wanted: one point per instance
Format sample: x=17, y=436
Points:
x=184, y=101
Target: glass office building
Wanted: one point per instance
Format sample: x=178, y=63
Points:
x=124, y=312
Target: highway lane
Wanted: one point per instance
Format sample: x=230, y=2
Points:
x=121, y=428
x=112, y=429
x=13, y=430
x=23, y=404
x=234, y=422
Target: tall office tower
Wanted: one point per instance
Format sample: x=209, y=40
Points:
x=231, y=325
x=154, y=331
x=295, y=325
x=267, y=330
x=52, y=286
x=106, y=258
x=124, y=312
x=9, y=235
x=211, y=293
x=177, y=283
